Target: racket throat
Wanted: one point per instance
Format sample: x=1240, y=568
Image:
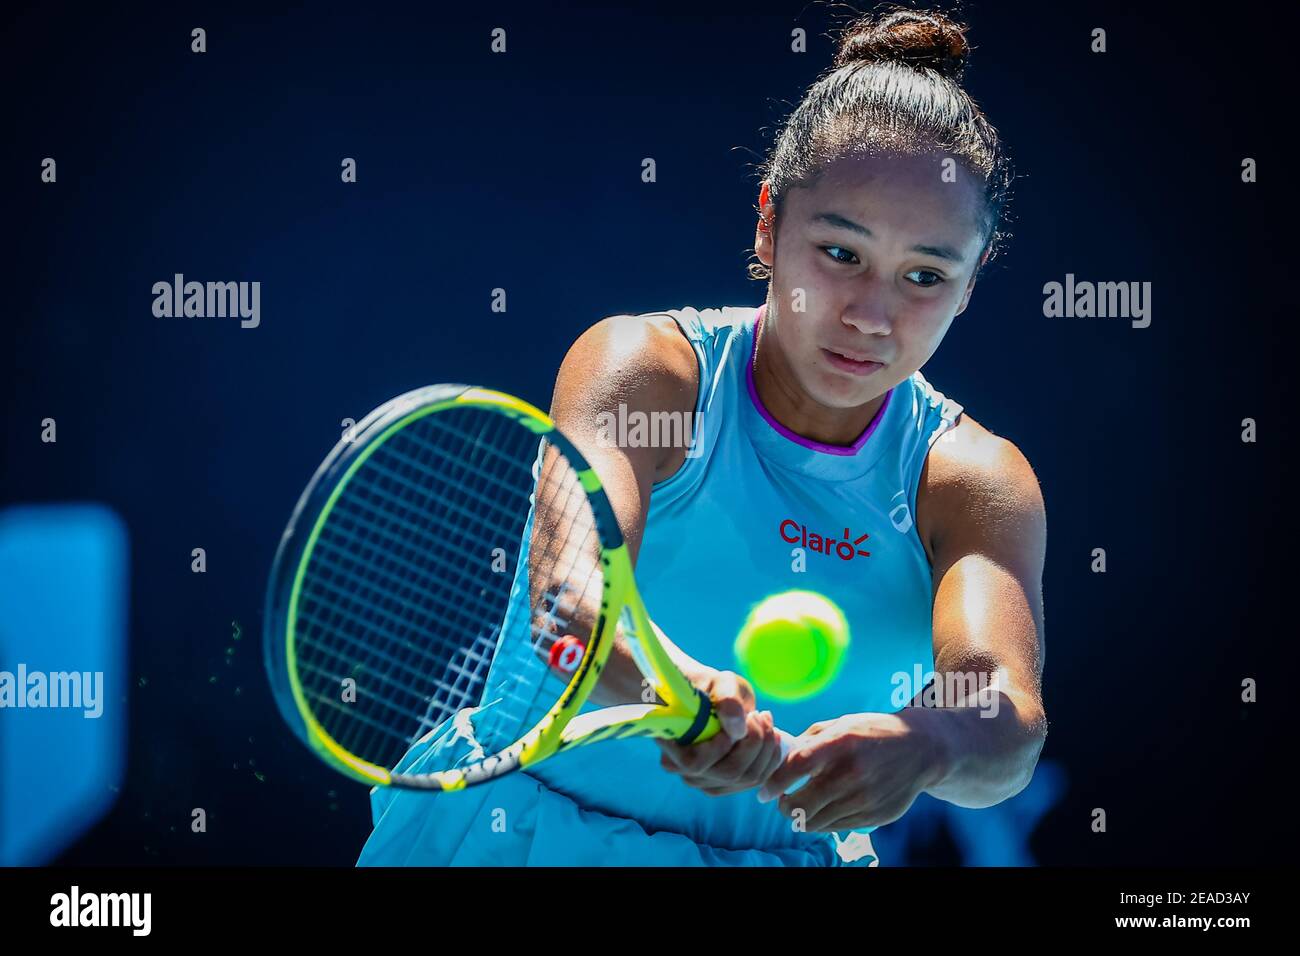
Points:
x=631, y=637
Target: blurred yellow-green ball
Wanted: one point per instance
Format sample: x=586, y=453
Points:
x=792, y=645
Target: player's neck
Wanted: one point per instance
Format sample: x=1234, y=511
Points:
x=778, y=390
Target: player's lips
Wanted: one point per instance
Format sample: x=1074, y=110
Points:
x=853, y=362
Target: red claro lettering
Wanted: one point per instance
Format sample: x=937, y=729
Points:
x=846, y=548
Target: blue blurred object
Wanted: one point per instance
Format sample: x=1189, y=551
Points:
x=999, y=835
x=63, y=612
x=993, y=836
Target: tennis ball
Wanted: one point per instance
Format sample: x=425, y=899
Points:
x=792, y=645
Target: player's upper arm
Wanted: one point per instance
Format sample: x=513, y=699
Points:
x=645, y=365
x=989, y=541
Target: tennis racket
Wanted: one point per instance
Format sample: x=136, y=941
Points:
x=455, y=568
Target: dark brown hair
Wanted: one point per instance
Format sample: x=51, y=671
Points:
x=894, y=86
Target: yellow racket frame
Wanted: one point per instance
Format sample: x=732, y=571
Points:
x=685, y=713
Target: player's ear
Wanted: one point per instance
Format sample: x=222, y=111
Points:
x=764, y=237
x=970, y=286
x=965, y=299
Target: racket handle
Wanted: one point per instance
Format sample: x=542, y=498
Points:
x=787, y=741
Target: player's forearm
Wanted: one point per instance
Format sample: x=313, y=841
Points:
x=984, y=755
x=621, y=681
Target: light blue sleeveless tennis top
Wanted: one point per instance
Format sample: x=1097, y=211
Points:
x=722, y=533
x=753, y=511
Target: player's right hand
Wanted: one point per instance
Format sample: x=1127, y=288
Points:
x=741, y=755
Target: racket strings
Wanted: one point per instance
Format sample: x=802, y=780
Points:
x=428, y=589
x=562, y=555
x=390, y=573
x=561, y=548
x=383, y=614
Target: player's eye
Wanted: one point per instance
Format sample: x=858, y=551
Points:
x=835, y=251
x=934, y=279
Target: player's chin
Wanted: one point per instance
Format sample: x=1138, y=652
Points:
x=833, y=389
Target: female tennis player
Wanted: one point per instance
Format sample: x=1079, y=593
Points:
x=879, y=204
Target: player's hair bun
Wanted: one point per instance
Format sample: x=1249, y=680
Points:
x=920, y=39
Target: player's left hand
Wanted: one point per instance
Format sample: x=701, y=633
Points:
x=866, y=770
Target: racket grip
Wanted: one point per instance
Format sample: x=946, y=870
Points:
x=787, y=742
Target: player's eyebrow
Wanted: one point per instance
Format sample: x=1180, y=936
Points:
x=840, y=222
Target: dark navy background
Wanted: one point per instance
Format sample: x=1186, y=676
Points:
x=522, y=171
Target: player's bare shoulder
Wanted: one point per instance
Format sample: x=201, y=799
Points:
x=974, y=480
x=626, y=356
x=627, y=365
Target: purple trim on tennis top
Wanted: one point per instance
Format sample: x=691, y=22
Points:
x=781, y=429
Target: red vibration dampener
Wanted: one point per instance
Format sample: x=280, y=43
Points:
x=566, y=653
